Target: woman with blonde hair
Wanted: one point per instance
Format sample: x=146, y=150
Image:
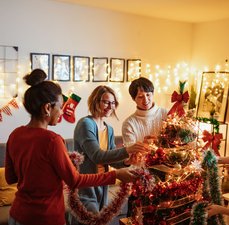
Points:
x=94, y=138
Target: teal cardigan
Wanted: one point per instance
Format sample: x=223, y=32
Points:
x=86, y=142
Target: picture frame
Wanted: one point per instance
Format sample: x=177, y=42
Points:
x=100, y=69
x=8, y=59
x=8, y=71
x=133, y=69
x=40, y=61
x=61, y=67
x=213, y=97
x=81, y=68
x=117, y=69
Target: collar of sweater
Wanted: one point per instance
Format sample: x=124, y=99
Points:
x=146, y=113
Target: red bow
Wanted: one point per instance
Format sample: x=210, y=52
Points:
x=213, y=140
x=178, y=106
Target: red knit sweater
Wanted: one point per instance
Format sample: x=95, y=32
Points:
x=37, y=159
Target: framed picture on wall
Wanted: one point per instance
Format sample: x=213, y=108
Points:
x=133, y=69
x=100, y=69
x=117, y=67
x=81, y=68
x=213, y=97
x=61, y=67
x=8, y=72
x=40, y=61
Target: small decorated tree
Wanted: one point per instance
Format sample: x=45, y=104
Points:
x=185, y=173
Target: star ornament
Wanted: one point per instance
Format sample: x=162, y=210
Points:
x=196, y=165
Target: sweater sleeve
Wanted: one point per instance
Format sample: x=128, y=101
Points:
x=112, y=145
x=68, y=173
x=128, y=134
x=10, y=174
x=85, y=136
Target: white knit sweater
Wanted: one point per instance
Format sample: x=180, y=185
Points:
x=143, y=123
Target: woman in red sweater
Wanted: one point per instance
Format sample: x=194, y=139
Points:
x=37, y=159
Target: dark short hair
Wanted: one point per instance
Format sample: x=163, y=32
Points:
x=140, y=83
x=41, y=92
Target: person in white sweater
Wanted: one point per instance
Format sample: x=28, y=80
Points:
x=148, y=117
x=147, y=120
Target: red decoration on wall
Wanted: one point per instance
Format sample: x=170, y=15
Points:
x=14, y=103
x=213, y=140
x=69, y=108
x=6, y=108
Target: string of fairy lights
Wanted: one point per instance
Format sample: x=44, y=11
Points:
x=165, y=78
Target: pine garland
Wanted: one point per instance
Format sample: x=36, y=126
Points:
x=211, y=188
x=210, y=165
x=199, y=214
x=212, y=121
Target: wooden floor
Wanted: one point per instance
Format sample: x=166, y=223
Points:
x=124, y=221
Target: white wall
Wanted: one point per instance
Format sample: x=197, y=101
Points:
x=210, y=43
x=59, y=28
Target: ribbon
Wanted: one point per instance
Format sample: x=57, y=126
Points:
x=213, y=140
x=178, y=106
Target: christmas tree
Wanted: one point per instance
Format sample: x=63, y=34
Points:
x=185, y=173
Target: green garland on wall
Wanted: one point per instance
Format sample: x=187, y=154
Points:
x=212, y=121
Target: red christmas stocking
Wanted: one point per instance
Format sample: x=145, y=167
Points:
x=69, y=108
x=65, y=98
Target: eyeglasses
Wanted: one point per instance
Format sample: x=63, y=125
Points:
x=108, y=103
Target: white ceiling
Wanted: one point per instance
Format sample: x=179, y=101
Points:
x=181, y=10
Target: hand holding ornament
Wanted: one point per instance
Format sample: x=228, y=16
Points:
x=125, y=175
x=137, y=147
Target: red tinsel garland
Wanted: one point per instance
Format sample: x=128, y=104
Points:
x=107, y=213
x=172, y=189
